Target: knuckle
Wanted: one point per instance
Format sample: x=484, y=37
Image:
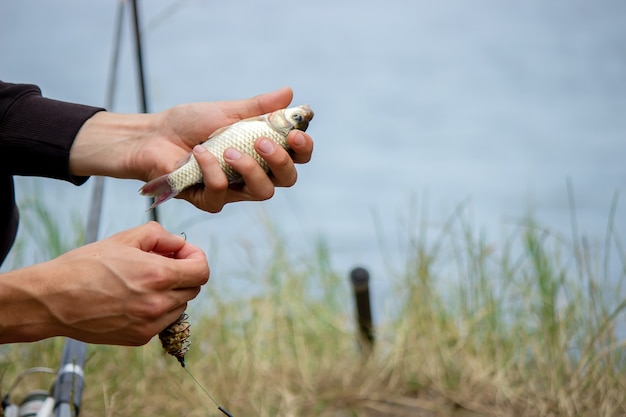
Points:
x=150, y=228
x=152, y=225
x=160, y=279
x=212, y=206
x=201, y=277
x=142, y=337
x=194, y=293
x=284, y=161
x=284, y=171
x=214, y=183
x=215, y=210
x=206, y=274
x=291, y=181
x=266, y=193
x=245, y=164
x=217, y=184
x=152, y=309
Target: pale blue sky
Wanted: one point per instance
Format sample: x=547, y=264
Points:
x=498, y=102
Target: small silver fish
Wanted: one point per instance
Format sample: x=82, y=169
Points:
x=241, y=136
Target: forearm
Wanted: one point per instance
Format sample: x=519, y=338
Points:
x=108, y=145
x=24, y=313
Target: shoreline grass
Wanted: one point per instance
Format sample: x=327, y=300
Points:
x=526, y=328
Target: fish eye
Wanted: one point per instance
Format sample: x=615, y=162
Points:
x=297, y=117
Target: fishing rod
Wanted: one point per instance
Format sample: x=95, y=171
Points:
x=68, y=387
x=142, y=85
x=64, y=399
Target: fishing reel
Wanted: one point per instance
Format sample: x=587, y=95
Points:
x=35, y=402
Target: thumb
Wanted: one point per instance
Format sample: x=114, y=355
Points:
x=152, y=237
x=261, y=104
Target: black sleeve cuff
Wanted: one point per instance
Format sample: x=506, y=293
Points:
x=37, y=133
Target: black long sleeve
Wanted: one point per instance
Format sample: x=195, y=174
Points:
x=36, y=135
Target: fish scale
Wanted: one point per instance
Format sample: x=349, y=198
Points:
x=241, y=136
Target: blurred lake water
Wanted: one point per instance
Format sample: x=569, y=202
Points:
x=420, y=106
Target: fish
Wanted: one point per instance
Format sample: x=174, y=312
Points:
x=241, y=136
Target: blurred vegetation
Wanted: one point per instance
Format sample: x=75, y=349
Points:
x=525, y=328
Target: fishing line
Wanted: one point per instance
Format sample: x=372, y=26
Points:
x=219, y=407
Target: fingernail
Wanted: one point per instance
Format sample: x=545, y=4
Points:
x=266, y=146
x=232, y=154
x=299, y=139
x=198, y=149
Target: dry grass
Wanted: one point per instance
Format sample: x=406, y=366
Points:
x=527, y=329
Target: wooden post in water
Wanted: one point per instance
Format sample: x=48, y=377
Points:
x=360, y=283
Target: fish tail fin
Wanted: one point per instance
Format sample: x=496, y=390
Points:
x=160, y=189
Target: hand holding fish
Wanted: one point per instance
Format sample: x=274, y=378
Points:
x=232, y=142
x=148, y=146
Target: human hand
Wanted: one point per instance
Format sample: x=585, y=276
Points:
x=147, y=146
x=122, y=290
x=188, y=125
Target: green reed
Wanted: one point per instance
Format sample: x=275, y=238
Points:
x=527, y=326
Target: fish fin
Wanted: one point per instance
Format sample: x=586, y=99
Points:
x=161, y=199
x=158, y=188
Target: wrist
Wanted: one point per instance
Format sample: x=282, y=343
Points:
x=107, y=144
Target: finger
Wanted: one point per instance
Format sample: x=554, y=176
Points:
x=211, y=197
x=151, y=237
x=212, y=174
x=274, y=100
x=159, y=240
x=173, y=274
x=261, y=104
x=189, y=251
x=279, y=161
x=192, y=266
x=302, y=146
x=258, y=184
x=187, y=294
x=171, y=316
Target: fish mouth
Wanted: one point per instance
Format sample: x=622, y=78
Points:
x=308, y=116
x=309, y=111
x=303, y=125
x=298, y=117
